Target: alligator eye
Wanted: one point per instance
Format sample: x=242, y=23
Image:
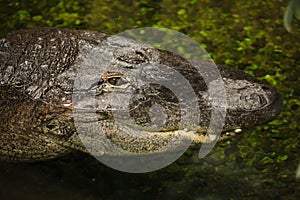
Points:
x=116, y=81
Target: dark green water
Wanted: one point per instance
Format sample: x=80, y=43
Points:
x=261, y=163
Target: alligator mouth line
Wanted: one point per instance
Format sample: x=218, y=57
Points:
x=195, y=133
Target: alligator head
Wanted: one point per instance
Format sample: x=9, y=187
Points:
x=151, y=97
x=64, y=89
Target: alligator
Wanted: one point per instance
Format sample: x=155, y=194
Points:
x=38, y=74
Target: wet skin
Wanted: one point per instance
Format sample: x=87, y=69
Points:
x=41, y=70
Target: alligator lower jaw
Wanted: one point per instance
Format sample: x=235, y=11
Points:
x=161, y=142
x=204, y=137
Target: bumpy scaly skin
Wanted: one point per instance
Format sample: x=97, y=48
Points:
x=37, y=74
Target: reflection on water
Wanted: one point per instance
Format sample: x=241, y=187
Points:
x=79, y=176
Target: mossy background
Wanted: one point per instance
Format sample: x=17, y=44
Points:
x=249, y=35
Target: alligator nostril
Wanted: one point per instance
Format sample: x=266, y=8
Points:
x=262, y=100
x=253, y=101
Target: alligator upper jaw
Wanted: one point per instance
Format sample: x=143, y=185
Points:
x=235, y=119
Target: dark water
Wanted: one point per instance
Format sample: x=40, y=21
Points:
x=224, y=174
x=261, y=163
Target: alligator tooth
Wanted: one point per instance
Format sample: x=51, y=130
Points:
x=238, y=130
